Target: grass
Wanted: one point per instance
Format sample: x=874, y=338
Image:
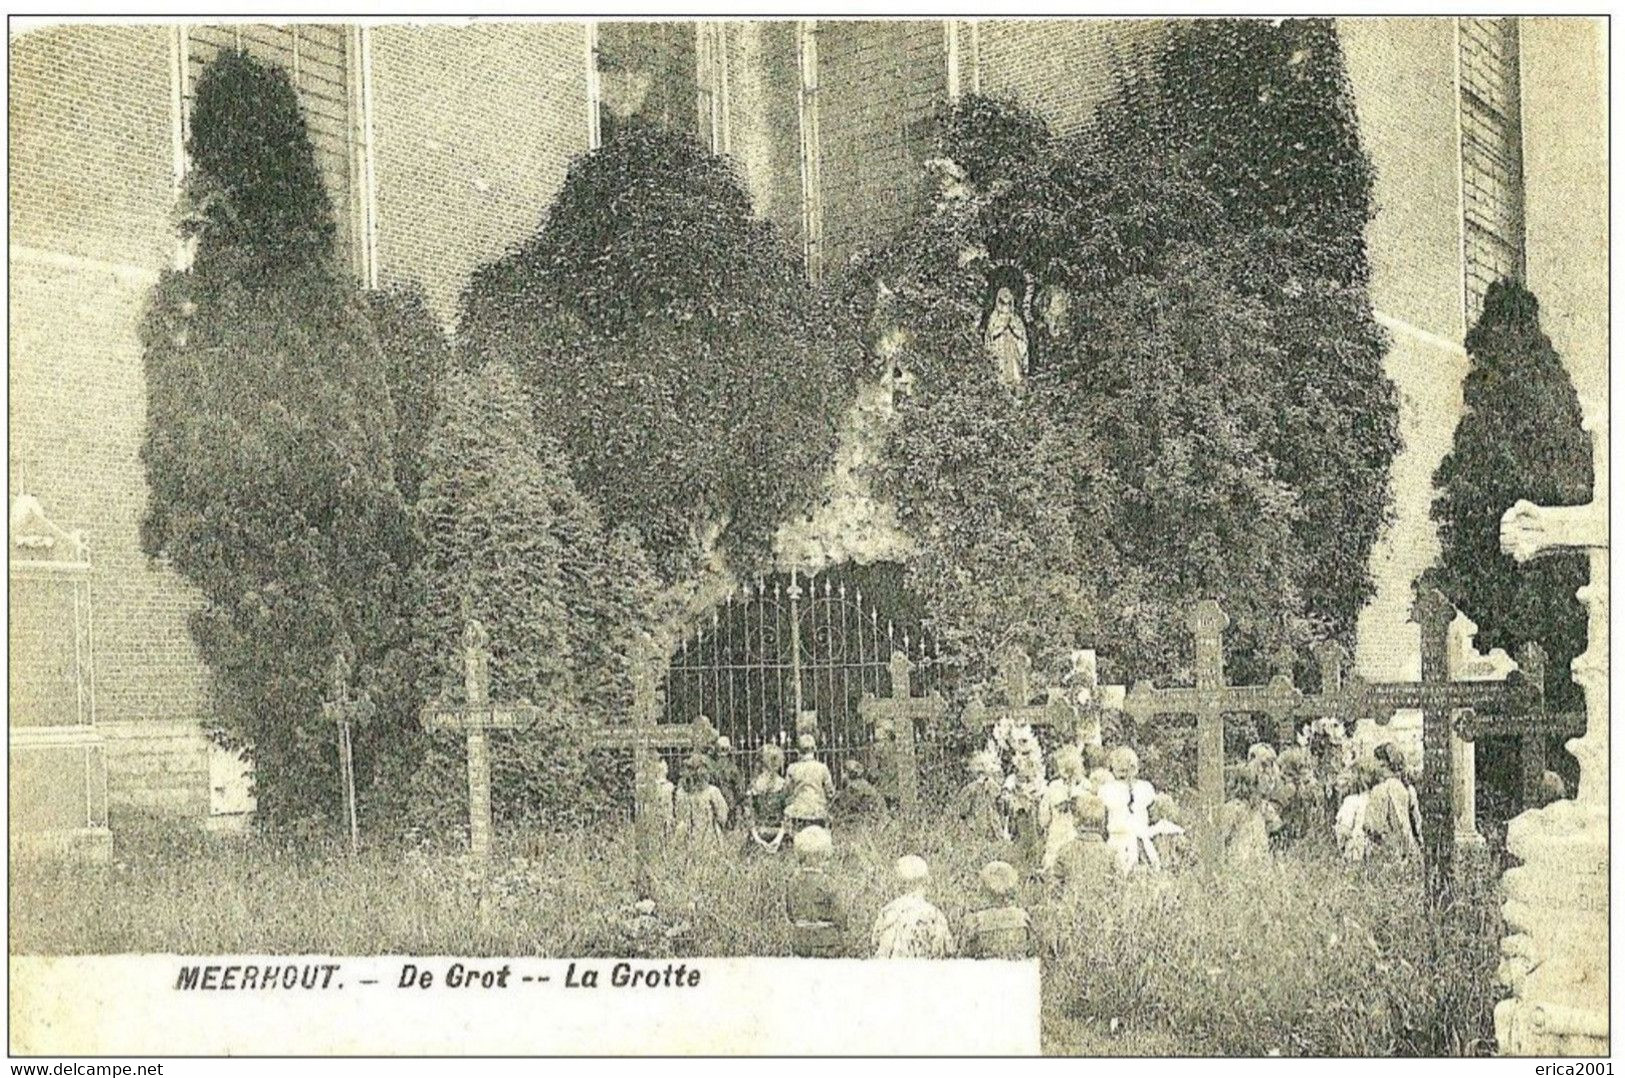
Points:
x=1302, y=956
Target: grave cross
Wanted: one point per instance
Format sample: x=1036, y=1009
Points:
x=899, y=711
x=644, y=735
x=1209, y=701
x=1437, y=697
x=343, y=710
x=1530, y=728
x=1015, y=680
x=477, y=717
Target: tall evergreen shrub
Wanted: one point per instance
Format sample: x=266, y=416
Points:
x=673, y=346
x=1520, y=438
x=509, y=540
x=268, y=452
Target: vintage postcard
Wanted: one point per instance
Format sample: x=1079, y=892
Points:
x=808, y=536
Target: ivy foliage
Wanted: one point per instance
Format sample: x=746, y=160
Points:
x=1520, y=438
x=417, y=359
x=268, y=453
x=692, y=376
x=510, y=541
x=1205, y=413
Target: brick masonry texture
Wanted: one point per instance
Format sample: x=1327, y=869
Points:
x=1061, y=68
x=878, y=85
x=1403, y=74
x=764, y=120
x=92, y=161
x=473, y=130
x=78, y=407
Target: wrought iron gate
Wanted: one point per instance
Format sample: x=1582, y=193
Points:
x=793, y=644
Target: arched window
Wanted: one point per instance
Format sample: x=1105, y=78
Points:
x=1491, y=156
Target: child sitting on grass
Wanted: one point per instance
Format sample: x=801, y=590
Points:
x=977, y=802
x=1087, y=862
x=1393, y=816
x=699, y=806
x=1069, y=781
x=1167, y=844
x=1061, y=831
x=810, y=788
x=1349, y=827
x=859, y=797
x=910, y=926
x=1247, y=819
x=1001, y=929
x=813, y=900
x=764, y=803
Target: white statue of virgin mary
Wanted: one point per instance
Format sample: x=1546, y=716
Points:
x=1005, y=339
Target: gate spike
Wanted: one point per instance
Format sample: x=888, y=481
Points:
x=826, y=587
x=843, y=589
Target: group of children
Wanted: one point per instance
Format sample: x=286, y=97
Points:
x=1096, y=814
x=910, y=926
x=777, y=803
x=1095, y=821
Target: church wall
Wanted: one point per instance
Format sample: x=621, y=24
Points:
x=474, y=128
x=1405, y=98
x=98, y=190
x=1565, y=74
x=1402, y=73
x=879, y=83
x=764, y=134
x=1062, y=68
x=91, y=229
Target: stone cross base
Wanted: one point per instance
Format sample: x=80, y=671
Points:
x=1556, y=958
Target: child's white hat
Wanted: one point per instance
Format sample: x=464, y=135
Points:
x=813, y=841
x=999, y=878
x=912, y=871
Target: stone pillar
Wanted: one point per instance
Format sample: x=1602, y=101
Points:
x=1557, y=900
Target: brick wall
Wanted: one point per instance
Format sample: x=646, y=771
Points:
x=1062, y=68
x=78, y=414
x=878, y=82
x=1403, y=76
x=102, y=190
x=1565, y=101
x=764, y=132
x=473, y=129
x=91, y=226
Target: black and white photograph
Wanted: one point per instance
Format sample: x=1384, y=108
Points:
x=808, y=535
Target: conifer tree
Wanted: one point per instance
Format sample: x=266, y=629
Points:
x=268, y=452
x=1519, y=438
